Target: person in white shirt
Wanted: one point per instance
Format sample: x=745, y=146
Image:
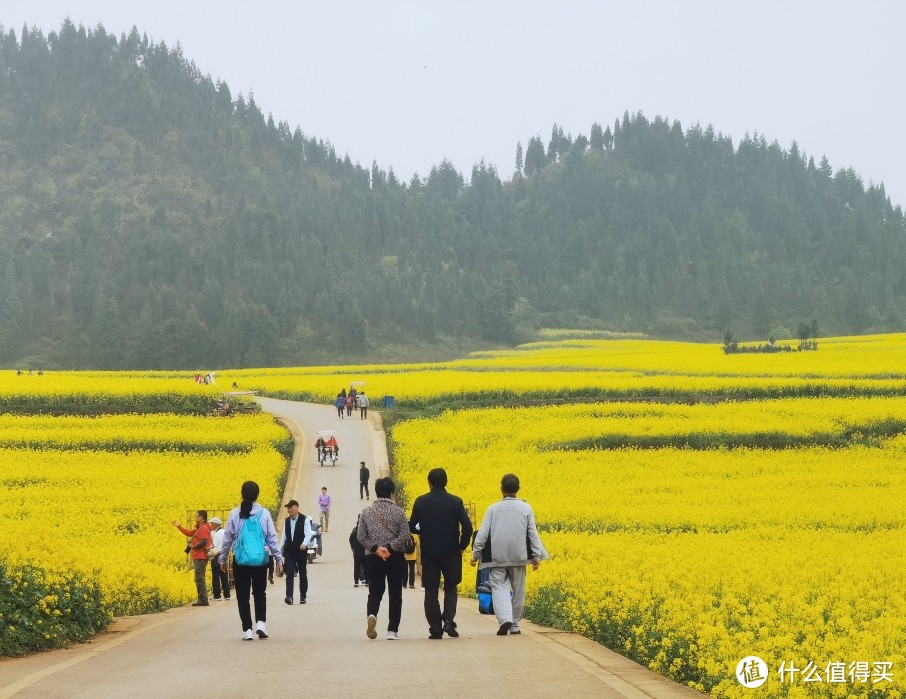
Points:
x=220, y=579
x=294, y=540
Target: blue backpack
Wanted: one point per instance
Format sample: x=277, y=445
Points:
x=250, y=549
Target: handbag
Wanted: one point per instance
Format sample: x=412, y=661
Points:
x=212, y=553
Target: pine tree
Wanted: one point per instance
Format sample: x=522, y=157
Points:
x=597, y=137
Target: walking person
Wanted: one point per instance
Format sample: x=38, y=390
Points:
x=294, y=540
x=364, y=475
x=349, y=402
x=220, y=580
x=340, y=403
x=359, y=573
x=363, y=405
x=411, y=562
x=506, y=543
x=199, y=542
x=383, y=531
x=250, y=535
x=324, y=502
x=444, y=528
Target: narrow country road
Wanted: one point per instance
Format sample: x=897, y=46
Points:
x=320, y=648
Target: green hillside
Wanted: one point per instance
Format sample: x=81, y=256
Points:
x=151, y=218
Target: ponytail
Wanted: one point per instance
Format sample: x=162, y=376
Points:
x=250, y=492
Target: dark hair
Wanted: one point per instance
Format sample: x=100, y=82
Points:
x=204, y=514
x=510, y=483
x=250, y=492
x=384, y=487
x=437, y=477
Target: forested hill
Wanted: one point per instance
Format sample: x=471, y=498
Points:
x=151, y=218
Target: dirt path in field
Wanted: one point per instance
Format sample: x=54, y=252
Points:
x=320, y=647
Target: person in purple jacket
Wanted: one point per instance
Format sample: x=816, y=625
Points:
x=324, y=502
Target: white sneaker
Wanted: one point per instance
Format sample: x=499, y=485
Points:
x=260, y=630
x=248, y=636
x=371, y=632
x=393, y=636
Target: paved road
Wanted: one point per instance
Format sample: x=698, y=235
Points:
x=320, y=648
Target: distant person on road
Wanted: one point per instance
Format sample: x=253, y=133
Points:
x=332, y=446
x=359, y=573
x=340, y=403
x=270, y=568
x=441, y=522
x=251, y=578
x=411, y=562
x=363, y=405
x=294, y=539
x=383, y=532
x=200, y=540
x=349, y=402
x=364, y=475
x=220, y=580
x=510, y=525
x=324, y=502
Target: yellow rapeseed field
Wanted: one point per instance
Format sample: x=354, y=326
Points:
x=686, y=536
x=870, y=365
x=690, y=559
x=106, y=509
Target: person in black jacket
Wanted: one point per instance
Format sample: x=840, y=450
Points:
x=440, y=520
x=364, y=475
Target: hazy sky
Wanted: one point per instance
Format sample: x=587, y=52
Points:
x=408, y=83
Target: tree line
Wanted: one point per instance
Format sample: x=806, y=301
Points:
x=151, y=218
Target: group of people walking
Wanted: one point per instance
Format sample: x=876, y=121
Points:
x=383, y=544
x=345, y=403
x=252, y=538
x=253, y=554
x=506, y=543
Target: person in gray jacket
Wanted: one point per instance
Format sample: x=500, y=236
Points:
x=506, y=543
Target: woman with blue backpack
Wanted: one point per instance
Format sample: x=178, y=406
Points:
x=251, y=536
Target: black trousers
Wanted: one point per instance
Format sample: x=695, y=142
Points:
x=386, y=575
x=292, y=562
x=411, y=567
x=363, y=487
x=250, y=579
x=359, y=571
x=220, y=581
x=450, y=567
